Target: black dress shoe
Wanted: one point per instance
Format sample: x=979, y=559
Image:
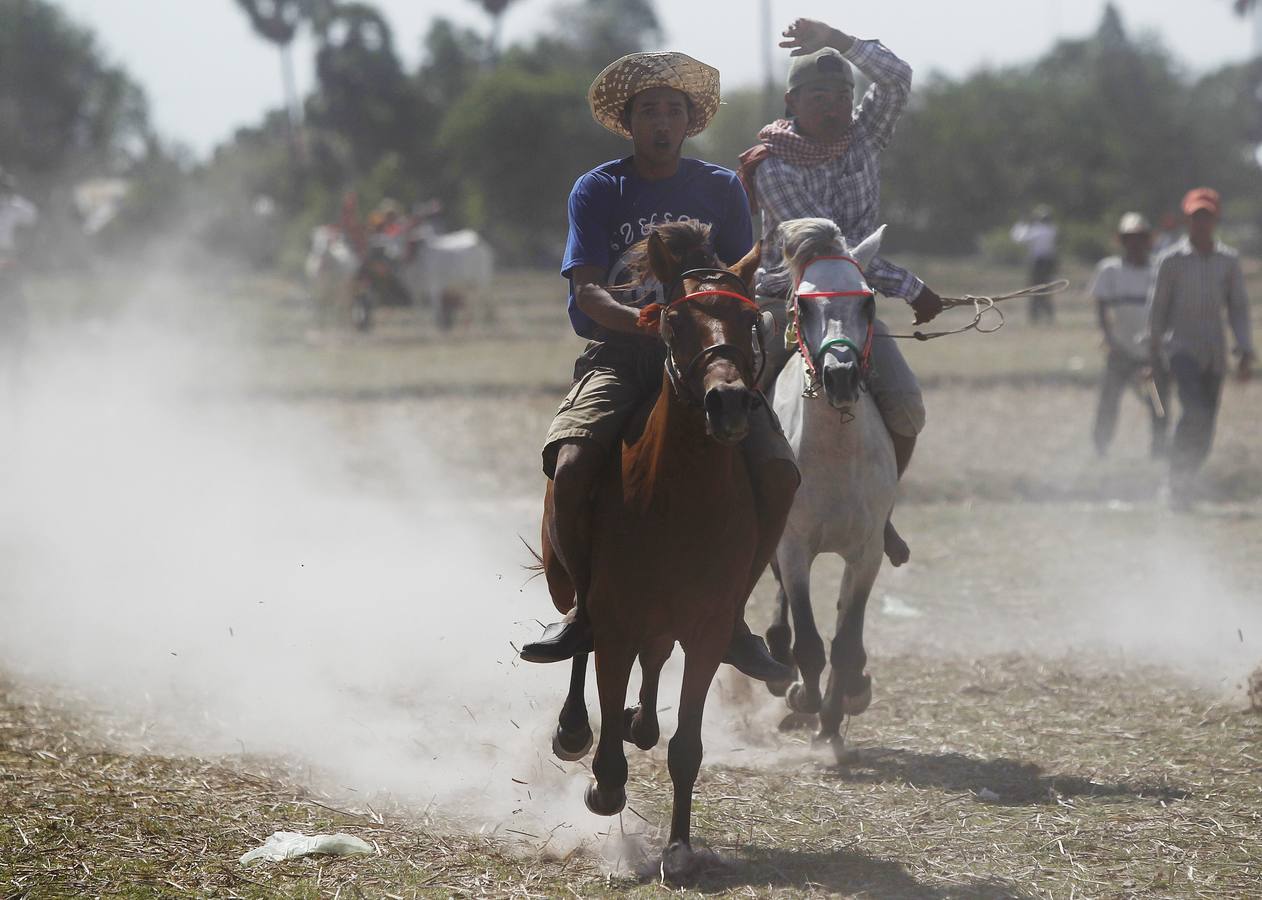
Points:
x=560, y=641
x=748, y=653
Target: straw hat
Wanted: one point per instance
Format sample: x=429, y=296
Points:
x=622, y=79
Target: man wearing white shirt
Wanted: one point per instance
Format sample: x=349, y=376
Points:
x=1120, y=289
x=1039, y=238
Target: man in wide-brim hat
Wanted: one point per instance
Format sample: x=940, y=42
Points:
x=655, y=100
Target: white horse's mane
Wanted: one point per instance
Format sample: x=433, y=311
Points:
x=806, y=239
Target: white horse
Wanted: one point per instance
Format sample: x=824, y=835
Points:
x=846, y=458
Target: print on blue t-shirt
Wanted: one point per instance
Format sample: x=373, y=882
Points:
x=611, y=209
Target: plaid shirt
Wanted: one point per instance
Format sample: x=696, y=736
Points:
x=847, y=189
x=1191, y=293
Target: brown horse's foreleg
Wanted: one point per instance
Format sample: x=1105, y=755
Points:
x=684, y=758
x=573, y=737
x=640, y=724
x=608, y=795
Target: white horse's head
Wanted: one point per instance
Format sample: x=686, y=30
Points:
x=835, y=307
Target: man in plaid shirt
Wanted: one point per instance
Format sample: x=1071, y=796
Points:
x=825, y=162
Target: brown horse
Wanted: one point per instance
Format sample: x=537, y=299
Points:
x=673, y=530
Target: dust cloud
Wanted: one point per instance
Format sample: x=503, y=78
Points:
x=223, y=571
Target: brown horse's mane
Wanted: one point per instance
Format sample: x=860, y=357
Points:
x=688, y=241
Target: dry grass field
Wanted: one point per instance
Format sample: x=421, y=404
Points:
x=1058, y=712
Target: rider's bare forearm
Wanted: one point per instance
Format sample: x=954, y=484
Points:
x=839, y=40
x=599, y=306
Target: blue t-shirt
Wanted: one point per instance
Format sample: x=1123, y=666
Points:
x=611, y=209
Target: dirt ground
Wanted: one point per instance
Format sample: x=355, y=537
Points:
x=1058, y=674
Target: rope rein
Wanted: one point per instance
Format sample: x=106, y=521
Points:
x=981, y=306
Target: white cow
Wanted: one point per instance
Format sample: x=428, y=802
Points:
x=448, y=270
x=441, y=271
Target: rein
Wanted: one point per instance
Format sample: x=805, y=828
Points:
x=981, y=306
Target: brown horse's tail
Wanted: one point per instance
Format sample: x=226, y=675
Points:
x=538, y=565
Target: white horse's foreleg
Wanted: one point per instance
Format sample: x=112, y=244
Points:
x=849, y=688
x=779, y=634
x=794, y=561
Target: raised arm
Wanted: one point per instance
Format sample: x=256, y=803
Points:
x=890, y=76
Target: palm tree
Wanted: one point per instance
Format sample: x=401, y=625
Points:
x=495, y=9
x=277, y=21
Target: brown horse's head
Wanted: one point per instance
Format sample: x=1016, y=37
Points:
x=708, y=324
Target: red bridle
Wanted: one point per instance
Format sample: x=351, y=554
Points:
x=651, y=315
x=865, y=353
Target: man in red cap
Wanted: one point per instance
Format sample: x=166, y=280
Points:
x=1198, y=279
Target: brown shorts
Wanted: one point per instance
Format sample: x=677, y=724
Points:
x=613, y=381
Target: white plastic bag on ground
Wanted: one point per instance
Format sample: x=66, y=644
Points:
x=289, y=844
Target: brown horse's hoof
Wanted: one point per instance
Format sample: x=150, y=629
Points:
x=799, y=699
x=605, y=802
x=571, y=746
x=858, y=702
x=643, y=737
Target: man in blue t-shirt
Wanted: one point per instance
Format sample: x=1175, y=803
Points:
x=655, y=100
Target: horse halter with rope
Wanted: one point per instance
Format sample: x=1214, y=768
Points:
x=814, y=363
x=737, y=355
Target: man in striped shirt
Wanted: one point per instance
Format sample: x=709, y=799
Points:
x=825, y=161
x=1198, y=280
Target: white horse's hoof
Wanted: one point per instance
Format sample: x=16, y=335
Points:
x=799, y=700
x=842, y=755
x=681, y=864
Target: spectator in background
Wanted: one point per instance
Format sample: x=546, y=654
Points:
x=1039, y=238
x=16, y=213
x=1167, y=234
x=1198, y=280
x=1121, y=287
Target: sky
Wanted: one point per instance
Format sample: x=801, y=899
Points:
x=207, y=74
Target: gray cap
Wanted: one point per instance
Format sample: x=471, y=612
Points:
x=7, y=181
x=821, y=67
x=1133, y=223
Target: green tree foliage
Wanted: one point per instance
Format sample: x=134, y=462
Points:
x=63, y=106
x=364, y=94
x=516, y=142
x=1096, y=127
